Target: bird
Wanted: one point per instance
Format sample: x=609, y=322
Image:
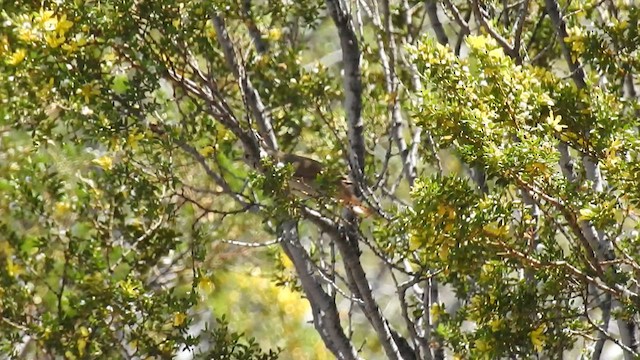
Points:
x=305, y=180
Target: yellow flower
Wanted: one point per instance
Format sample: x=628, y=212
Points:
x=274, y=34
x=207, y=151
x=538, y=338
x=27, y=34
x=70, y=47
x=105, y=162
x=76, y=42
x=13, y=269
x=63, y=25
x=482, y=346
x=50, y=24
x=88, y=90
x=286, y=262
x=495, y=324
x=494, y=230
x=210, y=31
x=82, y=341
x=477, y=42
x=554, y=121
x=435, y=312
x=17, y=57
x=61, y=209
x=206, y=285
x=496, y=54
x=5, y=248
x=54, y=40
x=415, y=242
x=129, y=288
x=44, y=16
x=179, y=318
x=133, y=139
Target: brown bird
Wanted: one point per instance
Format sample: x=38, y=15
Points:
x=305, y=174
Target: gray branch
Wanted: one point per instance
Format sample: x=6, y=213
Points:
x=262, y=46
x=346, y=238
x=347, y=243
x=251, y=95
x=566, y=162
x=605, y=306
x=602, y=246
x=522, y=16
x=504, y=43
x=388, y=55
x=352, y=86
x=326, y=318
x=577, y=74
x=432, y=11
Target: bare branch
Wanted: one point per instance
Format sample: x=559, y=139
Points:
x=602, y=337
x=607, y=335
x=522, y=16
x=326, y=318
x=252, y=244
x=352, y=86
x=388, y=55
x=577, y=73
x=347, y=242
x=432, y=11
x=457, y=16
x=250, y=93
x=566, y=162
x=504, y=43
x=262, y=46
x=212, y=174
x=346, y=237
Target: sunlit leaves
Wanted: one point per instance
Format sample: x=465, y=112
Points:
x=17, y=57
x=509, y=119
x=154, y=114
x=491, y=105
x=45, y=25
x=105, y=162
x=538, y=338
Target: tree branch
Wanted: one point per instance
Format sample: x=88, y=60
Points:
x=346, y=238
x=432, y=11
x=504, y=43
x=352, y=86
x=577, y=74
x=388, y=55
x=604, y=248
x=522, y=16
x=262, y=46
x=326, y=318
x=602, y=337
x=251, y=95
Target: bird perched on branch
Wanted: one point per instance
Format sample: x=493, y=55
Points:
x=305, y=179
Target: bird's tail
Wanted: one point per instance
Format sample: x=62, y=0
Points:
x=362, y=210
x=357, y=206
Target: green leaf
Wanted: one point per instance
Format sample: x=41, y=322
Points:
x=586, y=214
x=120, y=84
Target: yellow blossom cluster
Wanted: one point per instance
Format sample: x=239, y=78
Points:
x=43, y=27
x=576, y=38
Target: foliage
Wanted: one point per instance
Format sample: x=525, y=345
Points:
x=140, y=177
